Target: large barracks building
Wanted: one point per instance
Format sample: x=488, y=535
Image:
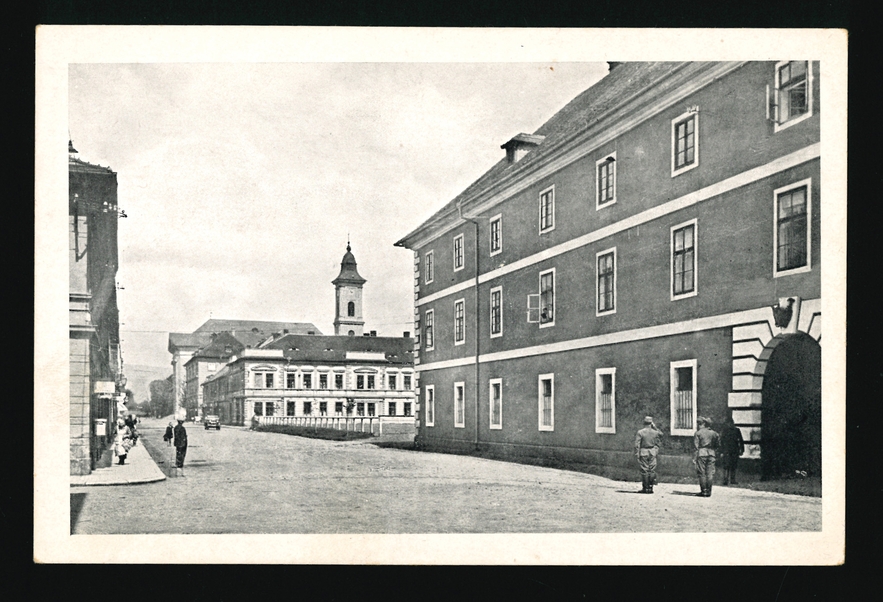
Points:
x=653, y=248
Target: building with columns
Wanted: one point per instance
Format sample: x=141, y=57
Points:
x=653, y=248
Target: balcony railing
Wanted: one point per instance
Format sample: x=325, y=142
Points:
x=358, y=424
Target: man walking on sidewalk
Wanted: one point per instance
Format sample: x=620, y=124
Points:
x=180, y=444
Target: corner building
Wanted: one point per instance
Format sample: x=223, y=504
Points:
x=653, y=248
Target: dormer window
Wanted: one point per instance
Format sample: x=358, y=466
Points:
x=520, y=145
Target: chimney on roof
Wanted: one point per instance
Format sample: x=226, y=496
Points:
x=311, y=332
x=373, y=333
x=520, y=145
x=611, y=66
x=406, y=334
x=284, y=331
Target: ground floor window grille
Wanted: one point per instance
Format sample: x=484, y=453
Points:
x=546, y=402
x=683, y=397
x=459, y=403
x=496, y=400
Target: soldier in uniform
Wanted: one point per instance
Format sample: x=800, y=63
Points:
x=646, y=450
x=706, y=442
x=732, y=446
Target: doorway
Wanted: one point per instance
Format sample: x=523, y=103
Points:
x=791, y=426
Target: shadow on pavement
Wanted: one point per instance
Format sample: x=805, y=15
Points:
x=77, y=500
x=687, y=493
x=628, y=491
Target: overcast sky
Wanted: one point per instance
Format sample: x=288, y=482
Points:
x=241, y=182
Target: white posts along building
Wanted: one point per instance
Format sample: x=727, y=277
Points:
x=653, y=248
x=333, y=381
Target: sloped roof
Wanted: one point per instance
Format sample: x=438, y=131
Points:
x=184, y=339
x=581, y=113
x=333, y=349
x=348, y=272
x=267, y=328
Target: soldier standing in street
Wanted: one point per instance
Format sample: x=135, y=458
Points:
x=646, y=450
x=732, y=446
x=705, y=441
x=180, y=444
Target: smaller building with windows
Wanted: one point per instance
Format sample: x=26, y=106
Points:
x=315, y=376
x=293, y=378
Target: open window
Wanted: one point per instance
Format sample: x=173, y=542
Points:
x=789, y=99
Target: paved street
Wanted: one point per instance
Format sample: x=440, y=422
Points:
x=239, y=481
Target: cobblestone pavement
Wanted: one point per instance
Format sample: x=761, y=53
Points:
x=240, y=481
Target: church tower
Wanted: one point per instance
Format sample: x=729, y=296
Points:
x=348, y=297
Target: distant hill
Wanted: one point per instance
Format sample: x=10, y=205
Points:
x=140, y=376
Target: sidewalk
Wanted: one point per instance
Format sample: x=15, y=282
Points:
x=139, y=468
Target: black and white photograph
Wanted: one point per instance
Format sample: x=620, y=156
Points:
x=441, y=296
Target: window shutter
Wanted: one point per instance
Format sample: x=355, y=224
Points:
x=773, y=104
x=533, y=309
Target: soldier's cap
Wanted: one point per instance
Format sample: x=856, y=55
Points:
x=648, y=419
x=703, y=420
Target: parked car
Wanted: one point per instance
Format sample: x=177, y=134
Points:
x=212, y=422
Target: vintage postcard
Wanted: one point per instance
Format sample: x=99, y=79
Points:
x=440, y=296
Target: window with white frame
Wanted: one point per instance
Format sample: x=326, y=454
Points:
x=427, y=331
x=606, y=282
x=459, y=322
x=496, y=318
x=338, y=381
x=791, y=248
x=371, y=381
x=360, y=381
x=391, y=381
x=685, y=142
x=459, y=405
x=290, y=380
x=323, y=381
x=683, y=260
x=308, y=381
x=429, y=399
x=547, y=209
x=458, y=252
x=496, y=234
x=406, y=382
x=683, y=397
x=791, y=99
x=605, y=181
x=547, y=298
x=546, y=401
x=605, y=400
x=429, y=268
x=391, y=411
x=263, y=380
x=495, y=398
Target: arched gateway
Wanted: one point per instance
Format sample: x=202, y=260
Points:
x=776, y=395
